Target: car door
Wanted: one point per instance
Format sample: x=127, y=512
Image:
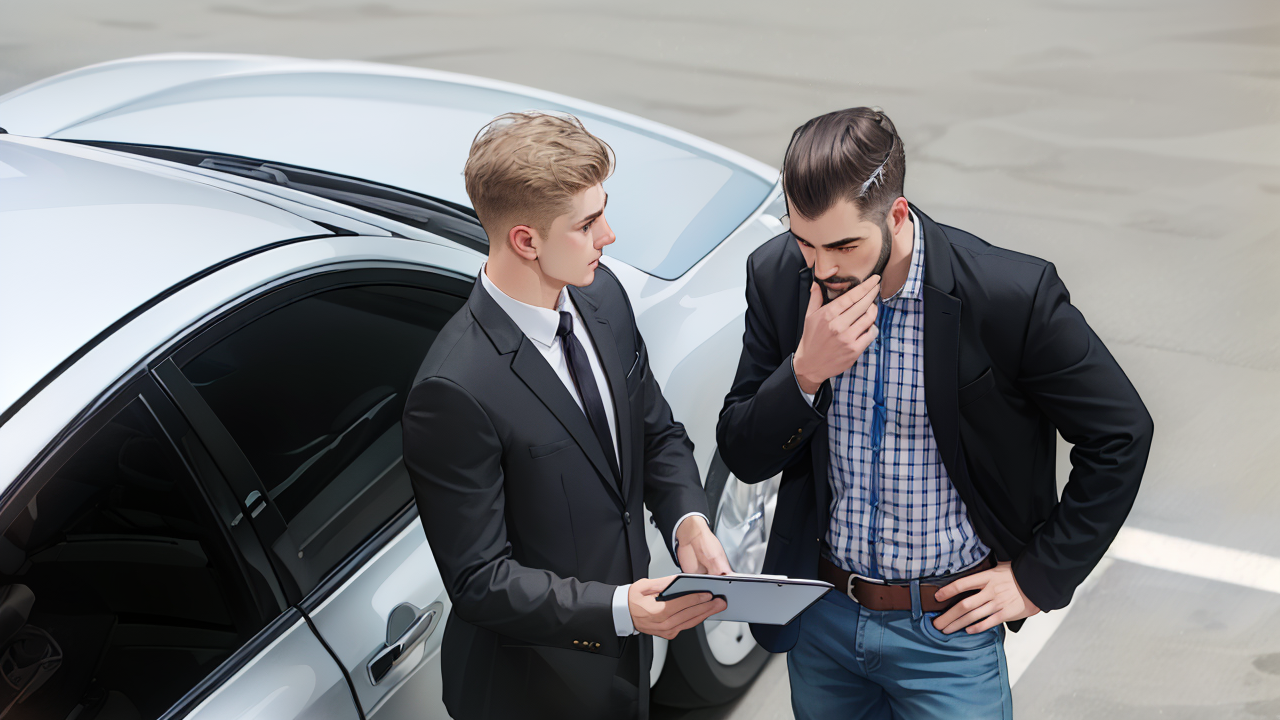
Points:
x=125, y=592
x=299, y=394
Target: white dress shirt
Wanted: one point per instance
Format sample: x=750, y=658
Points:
x=540, y=325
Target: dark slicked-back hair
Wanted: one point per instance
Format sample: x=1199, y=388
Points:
x=854, y=154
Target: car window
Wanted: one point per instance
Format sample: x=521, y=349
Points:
x=119, y=590
x=312, y=393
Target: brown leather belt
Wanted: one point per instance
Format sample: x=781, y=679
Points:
x=881, y=596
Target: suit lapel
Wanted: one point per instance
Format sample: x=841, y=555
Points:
x=529, y=365
x=533, y=369
x=802, y=300
x=941, y=342
x=607, y=351
x=941, y=352
x=818, y=446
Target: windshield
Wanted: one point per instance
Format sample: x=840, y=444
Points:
x=669, y=203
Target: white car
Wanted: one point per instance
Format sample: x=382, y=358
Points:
x=190, y=246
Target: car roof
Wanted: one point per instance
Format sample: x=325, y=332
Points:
x=88, y=236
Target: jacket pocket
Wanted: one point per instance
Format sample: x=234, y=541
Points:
x=634, y=374
x=539, y=451
x=976, y=389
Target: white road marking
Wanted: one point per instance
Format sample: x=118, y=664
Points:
x=1022, y=647
x=1211, y=562
x=1152, y=549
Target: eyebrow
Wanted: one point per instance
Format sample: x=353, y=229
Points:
x=830, y=245
x=597, y=213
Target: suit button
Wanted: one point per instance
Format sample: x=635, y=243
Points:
x=626, y=517
x=596, y=647
x=576, y=643
x=791, y=442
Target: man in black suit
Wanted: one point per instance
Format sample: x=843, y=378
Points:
x=534, y=435
x=908, y=381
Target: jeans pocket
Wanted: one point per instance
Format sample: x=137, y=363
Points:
x=960, y=639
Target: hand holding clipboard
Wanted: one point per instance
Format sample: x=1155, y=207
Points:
x=765, y=599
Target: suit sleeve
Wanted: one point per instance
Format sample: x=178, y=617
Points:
x=1070, y=375
x=766, y=419
x=453, y=455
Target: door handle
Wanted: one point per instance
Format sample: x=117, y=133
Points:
x=396, y=649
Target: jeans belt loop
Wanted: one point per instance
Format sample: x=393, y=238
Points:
x=917, y=610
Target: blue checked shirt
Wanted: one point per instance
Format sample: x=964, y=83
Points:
x=894, y=513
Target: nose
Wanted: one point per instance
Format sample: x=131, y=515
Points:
x=823, y=268
x=605, y=236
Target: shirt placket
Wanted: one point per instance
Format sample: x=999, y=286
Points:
x=879, y=418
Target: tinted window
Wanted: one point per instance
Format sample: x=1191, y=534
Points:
x=118, y=567
x=312, y=393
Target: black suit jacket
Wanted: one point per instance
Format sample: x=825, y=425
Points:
x=527, y=524
x=1007, y=361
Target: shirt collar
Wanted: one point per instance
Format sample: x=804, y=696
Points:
x=915, y=276
x=537, y=323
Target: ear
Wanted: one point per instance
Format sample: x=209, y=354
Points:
x=523, y=241
x=899, y=213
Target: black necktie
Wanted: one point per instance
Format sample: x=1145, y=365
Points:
x=585, y=381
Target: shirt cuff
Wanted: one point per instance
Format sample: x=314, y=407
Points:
x=675, y=544
x=807, y=396
x=622, y=621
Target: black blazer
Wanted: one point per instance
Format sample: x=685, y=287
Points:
x=1007, y=361
x=525, y=519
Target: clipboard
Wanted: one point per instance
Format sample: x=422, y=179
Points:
x=764, y=599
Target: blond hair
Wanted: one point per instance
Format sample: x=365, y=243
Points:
x=525, y=167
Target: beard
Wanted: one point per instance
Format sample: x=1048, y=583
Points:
x=886, y=244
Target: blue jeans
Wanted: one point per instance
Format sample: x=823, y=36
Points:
x=853, y=663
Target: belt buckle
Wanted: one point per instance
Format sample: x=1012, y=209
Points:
x=854, y=577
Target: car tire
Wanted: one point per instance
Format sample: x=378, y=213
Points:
x=711, y=663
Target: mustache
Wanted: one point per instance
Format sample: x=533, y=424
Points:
x=852, y=280
x=829, y=293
